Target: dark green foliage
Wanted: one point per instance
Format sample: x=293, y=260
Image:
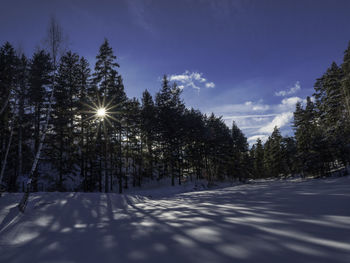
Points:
x=257, y=155
x=64, y=151
x=8, y=88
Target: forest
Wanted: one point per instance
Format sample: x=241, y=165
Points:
x=68, y=126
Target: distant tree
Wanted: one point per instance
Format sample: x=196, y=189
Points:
x=273, y=154
x=239, y=152
x=170, y=109
x=148, y=129
x=289, y=151
x=194, y=139
x=257, y=153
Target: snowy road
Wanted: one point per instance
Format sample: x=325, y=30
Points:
x=277, y=221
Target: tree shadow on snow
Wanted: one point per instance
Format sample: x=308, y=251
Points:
x=263, y=222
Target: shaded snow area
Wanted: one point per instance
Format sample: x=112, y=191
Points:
x=266, y=221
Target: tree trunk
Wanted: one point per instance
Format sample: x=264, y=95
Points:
x=6, y=103
x=3, y=166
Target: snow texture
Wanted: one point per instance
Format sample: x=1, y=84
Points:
x=265, y=221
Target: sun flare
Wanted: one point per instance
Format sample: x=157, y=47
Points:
x=101, y=112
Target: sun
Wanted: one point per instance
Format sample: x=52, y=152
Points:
x=101, y=112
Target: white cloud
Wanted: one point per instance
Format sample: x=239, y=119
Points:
x=288, y=104
x=241, y=109
x=257, y=119
x=292, y=101
x=280, y=121
x=192, y=79
x=250, y=116
x=263, y=138
x=291, y=91
x=261, y=107
x=210, y=85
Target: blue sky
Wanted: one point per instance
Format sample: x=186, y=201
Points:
x=249, y=61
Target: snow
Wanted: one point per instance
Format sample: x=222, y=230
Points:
x=265, y=221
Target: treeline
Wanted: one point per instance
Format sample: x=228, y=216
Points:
x=321, y=144
x=153, y=138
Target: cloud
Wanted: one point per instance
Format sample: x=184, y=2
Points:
x=253, y=139
x=193, y=80
x=280, y=120
x=288, y=104
x=250, y=116
x=258, y=119
x=291, y=91
x=210, y=85
x=245, y=108
x=261, y=107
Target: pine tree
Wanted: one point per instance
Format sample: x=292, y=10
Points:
x=65, y=121
x=21, y=120
x=8, y=74
x=312, y=146
x=109, y=91
x=39, y=82
x=170, y=109
x=289, y=151
x=239, y=151
x=83, y=82
x=194, y=140
x=346, y=79
x=345, y=84
x=148, y=124
x=273, y=154
x=105, y=68
x=330, y=110
x=258, y=159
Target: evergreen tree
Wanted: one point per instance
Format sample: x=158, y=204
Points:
x=83, y=83
x=108, y=90
x=194, y=141
x=170, y=109
x=8, y=74
x=65, y=152
x=273, y=154
x=23, y=124
x=239, y=151
x=148, y=129
x=39, y=83
x=345, y=84
x=258, y=159
x=105, y=68
x=330, y=111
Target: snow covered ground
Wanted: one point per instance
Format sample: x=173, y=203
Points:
x=267, y=221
